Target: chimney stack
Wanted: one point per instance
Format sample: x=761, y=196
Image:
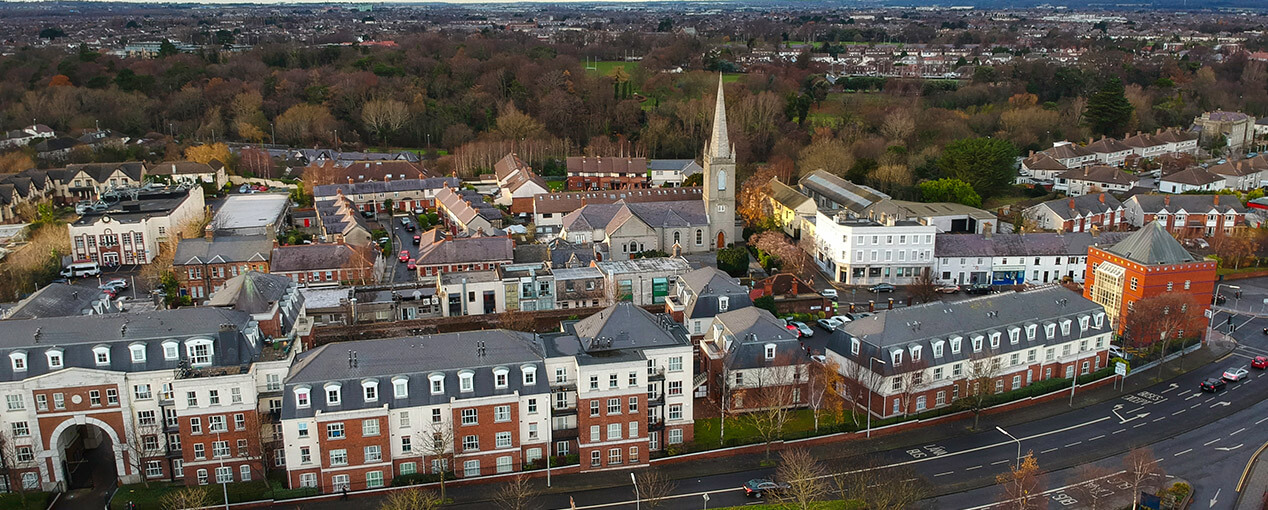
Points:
x=1072, y=203
x=1102, y=198
x=208, y=232
x=1215, y=200
x=1166, y=200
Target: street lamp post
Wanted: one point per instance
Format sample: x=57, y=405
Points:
x=637, y=500
x=1010, y=436
x=870, y=389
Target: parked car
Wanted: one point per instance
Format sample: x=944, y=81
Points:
x=841, y=318
x=948, y=289
x=1117, y=352
x=803, y=329
x=881, y=287
x=1212, y=385
x=829, y=324
x=978, y=288
x=418, y=240
x=1235, y=374
x=410, y=265
x=829, y=293
x=861, y=315
x=759, y=487
x=116, y=285
x=791, y=327
x=404, y=256
x=1260, y=362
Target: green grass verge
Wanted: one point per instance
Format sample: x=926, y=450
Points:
x=557, y=185
x=605, y=67
x=740, y=431
x=731, y=77
x=152, y=496
x=851, y=504
x=34, y=501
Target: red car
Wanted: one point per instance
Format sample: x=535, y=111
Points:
x=411, y=265
x=1260, y=362
x=404, y=256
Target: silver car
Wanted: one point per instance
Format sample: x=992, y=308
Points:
x=803, y=328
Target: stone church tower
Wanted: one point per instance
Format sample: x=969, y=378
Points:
x=719, y=178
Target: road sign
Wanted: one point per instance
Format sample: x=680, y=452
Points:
x=1120, y=368
x=1208, y=313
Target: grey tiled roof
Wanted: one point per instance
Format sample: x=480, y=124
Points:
x=1152, y=245
x=1152, y=204
x=61, y=300
x=251, y=292
x=921, y=325
x=221, y=250
x=709, y=283
x=417, y=358
x=1034, y=244
x=370, y=187
x=752, y=329
x=619, y=333
x=1194, y=176
x=849, y=195
x=1084, y=205
x=1099, y=173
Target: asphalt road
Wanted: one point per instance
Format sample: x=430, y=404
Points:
x=402, y=239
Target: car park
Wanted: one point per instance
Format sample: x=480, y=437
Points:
x=881, y=287
x=1212, y=385
x=948, y=289
x=1235, y=374
x=1260, y=362
x=115, y=285
x=760, y=487
x=803, y=329
x=828, y=324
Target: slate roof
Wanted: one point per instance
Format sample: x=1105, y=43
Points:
x=1042, y=161
x=1194, y=176
x=786, y=195
x=392, y=186
x=100, y=172
x=567, y=254
x=1152, y=245
x=313, y=257
x=179, y=168
x=922, y=325
x=416, y=358
x=251, y=292
x=569, y=201
x=1011, y=245
x=1084, y=205
x=467, y=205
x=709, y=283
x=849, y=195
x=1068, y=151
x=512, y=173
x=225, y=249
x=684, y=166
x=627, y=326
x=1108, y=146
x=1101, y=174
x=751, y=329
x=607, y=165
x=62, y=300
x=1153, y=204
x=377, y=171
x=78, y=335
x=435, y=250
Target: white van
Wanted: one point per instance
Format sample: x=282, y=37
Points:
x=81, y=268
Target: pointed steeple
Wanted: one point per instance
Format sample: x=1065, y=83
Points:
x=719, y=145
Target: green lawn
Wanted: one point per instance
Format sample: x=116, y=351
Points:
x=740, y=431
x=605, y=67
x=731, y=77
x=852, y=504
x=557, y=185
x=147, y=498
x=34, y=501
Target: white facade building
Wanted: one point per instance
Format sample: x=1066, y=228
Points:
x=859, y=252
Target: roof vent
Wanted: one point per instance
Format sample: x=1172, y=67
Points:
x=352, y=358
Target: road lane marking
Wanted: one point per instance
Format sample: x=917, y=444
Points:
x=1142, y=424
x=1193, y=396
x=1261, y=420
x=1158, y=419
x=1095, y=438
x=979, y=466
x=1182, y=453
x=944, y=474
x=999, y=462
x=1178, y=412
x=1050, y=450
x=1236, y=432
x=1119, y=430
x=1047, y=492
x=1195, y=406
x=1076, y=443
x=1211, y=442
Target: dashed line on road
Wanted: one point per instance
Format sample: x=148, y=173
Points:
x=1261, y=420
x=1119, y=430
x=1178, y=412
x=944, y=474
x=1158, y=419
x=1182, y=453
x=1211, y=442
x=1195, y=406
x=1236, y=432
x=1095, y=438
x=996, y=463
x=1050, y=450
x=979, y=466
x=1076, y=443
x=1142, y=424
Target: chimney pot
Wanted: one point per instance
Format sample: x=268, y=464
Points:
x=1216, y=199
x=1072, y=203
x=1166, y=200
x=1102, y=198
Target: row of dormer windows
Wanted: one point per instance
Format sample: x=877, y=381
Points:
x=400, y=386
x=199, y=351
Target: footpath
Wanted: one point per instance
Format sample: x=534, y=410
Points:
x=833, y=453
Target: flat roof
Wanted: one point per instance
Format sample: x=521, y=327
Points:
x=247, y=211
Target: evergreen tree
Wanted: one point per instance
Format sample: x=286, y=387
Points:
x=1108, y=111
x=986, y=164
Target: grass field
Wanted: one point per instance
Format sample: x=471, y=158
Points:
x=852, y=504
x=800, y=423
x=605, y=67
x=731, y=77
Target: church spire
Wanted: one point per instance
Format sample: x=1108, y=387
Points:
x=719, y=145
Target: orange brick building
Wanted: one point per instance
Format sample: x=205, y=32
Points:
x=1147, y=263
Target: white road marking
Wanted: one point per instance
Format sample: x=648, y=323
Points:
x=1051, y=491
x=1236, y=432
x=979, y=466
x=1211, y=442
x=1119, y=430
x=1178, y=412
x=999, y=462
x=1193, y=396
x=1261, y=420
x=1139, y=425
x=1195, y=406
x=944, y=474
x=1095, y=438
x=1050, y=450
x=1076, y=443
x=1182, y=453
x=1158, y=419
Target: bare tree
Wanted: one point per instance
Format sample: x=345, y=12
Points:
x=1022, y=485
x=142, y=443
x=769, y=402
x=865, y=383
x=824, y=389
x=260, y=436
x=980, y=374
x=1142, y=471
x=923, y=288
x=412, y=498
x=436, y=445
x=17, y=459
x=879, y=487
x=384, y=116
x=1091, y=490
x=654, y=486
x=910, y=382
x=517, y=494
x=186, y=498
x=804, y=476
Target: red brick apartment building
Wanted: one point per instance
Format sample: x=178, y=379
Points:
x=1146, y=263
x=591, y=174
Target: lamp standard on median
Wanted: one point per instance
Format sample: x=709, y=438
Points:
x=637, y=500
x=870, y=390
x=1010, y=436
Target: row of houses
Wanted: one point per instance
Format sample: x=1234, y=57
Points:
x=1051, y=166
x=88, y=182
x=1183, y=215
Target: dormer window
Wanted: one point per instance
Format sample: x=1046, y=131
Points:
x=333, y=394
x=54, y=358
x=138, y=352
x=915, y=353
x=723, y=303
x=1050, y=330
x=400, y=387
x=995, y=339
x=501, y=376
x=977, y=343
x=1099, y=319
x=955, y=344
x=466, y=381
x=937, y=349
x=18, y=359
x=1030, y=332
x=1065, y=327
x=301, y=396
x=530, y=375
x=437, y=383
x=1014, y=335
x=370, y=390
x=101, y=354
x=199, y=351
x=896, y=356
x=854, y=346
x=1083, y=323
x=770, y=352
x=171, y=350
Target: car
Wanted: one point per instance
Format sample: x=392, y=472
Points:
x=1117, y=352
x=803, y=329
x=115, y=285
x=788, y=323
x=861, y=315
x=367, y=214
x=1235, y=374
x=947, y=289
x=383, y=240
x=829, y=293
x=1260, y=362
x=881, y=287
x=404, y=256
x=418, y=240
x=1212, y=385
x=841, y=318
x=411, y=265
x=759, y=487
x=978, y=288
x=828, y=324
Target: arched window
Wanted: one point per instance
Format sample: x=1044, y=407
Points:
x=677, y=236
x=699, y=237
x=633, y=247
x=721, y=180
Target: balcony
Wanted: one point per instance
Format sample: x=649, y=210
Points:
x=656, y=374
x=571, y=410
x=674, y=304
x=564, y=434
x=656, y=400
x=654, y=425
x=563, y=386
